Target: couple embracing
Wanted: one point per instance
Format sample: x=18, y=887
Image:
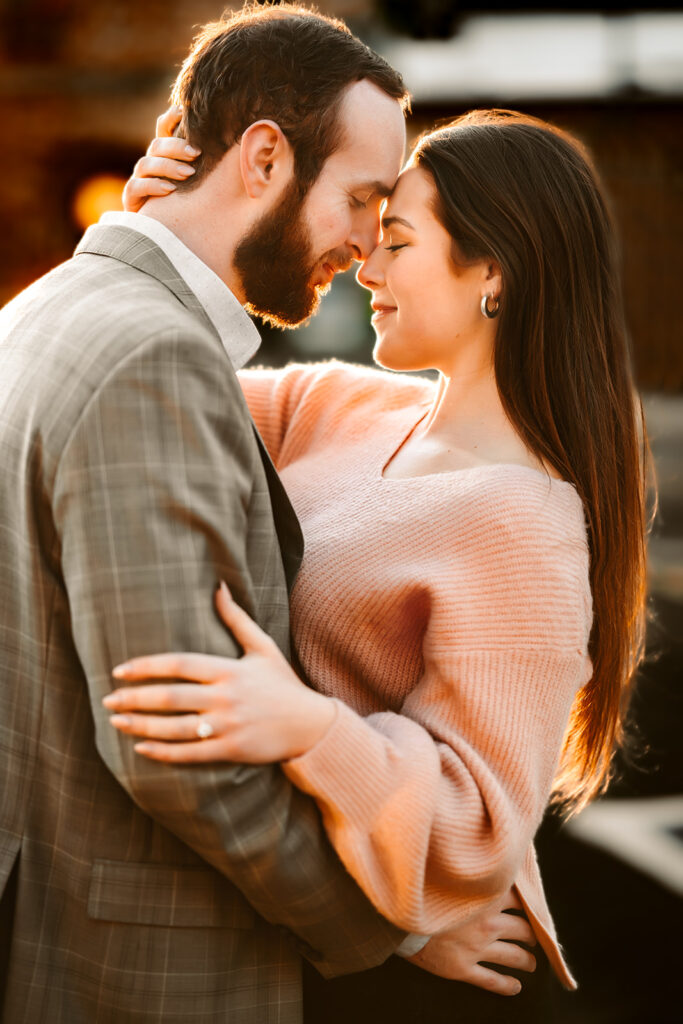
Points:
x=293, y=661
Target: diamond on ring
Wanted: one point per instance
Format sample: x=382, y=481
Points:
x=204, y=730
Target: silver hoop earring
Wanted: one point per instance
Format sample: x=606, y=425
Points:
x=490, y=314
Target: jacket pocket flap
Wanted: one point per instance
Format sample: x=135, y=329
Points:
x=158, y=894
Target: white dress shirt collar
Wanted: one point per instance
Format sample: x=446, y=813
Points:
x=237, y=332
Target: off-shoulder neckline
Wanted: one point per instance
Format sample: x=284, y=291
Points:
x=386, y=457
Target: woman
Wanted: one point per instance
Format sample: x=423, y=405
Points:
x=470, y=604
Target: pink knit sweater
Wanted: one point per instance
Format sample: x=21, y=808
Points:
x=448, y=615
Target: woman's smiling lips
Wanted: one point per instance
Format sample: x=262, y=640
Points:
x=381, y=311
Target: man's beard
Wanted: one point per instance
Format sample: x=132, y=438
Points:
x=276, y=265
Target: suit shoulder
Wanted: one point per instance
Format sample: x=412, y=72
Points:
x=94, y=320
x=93, y=312
x=129, y=301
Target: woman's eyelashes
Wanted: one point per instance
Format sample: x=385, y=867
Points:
x=396, y=247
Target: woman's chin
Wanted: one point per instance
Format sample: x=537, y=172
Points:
x=382, y=359
x=391, y=357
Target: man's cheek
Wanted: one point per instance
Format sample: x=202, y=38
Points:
x=331, y=230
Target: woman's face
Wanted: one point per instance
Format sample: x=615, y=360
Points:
x=427, y=309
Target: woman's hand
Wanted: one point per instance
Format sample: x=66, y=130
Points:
x=252, y=709
x=490, y=937
x=166, y=157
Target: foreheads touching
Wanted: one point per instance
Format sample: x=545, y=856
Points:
x=290, y=254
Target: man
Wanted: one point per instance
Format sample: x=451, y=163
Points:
x=132, y=481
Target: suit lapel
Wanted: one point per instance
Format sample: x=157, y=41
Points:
x=286, y=522
x=139, y=251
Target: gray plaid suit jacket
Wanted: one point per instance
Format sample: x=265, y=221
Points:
x=132, y=480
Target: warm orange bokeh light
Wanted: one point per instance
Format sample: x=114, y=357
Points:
x=95, y=196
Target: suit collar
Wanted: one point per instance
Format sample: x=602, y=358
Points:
x=139, y=251
x=179, y=269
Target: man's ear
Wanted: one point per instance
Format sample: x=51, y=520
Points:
x=266, y=158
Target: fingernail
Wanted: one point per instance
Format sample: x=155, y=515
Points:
x=120, y=671
x=517, y=988
x=142, y=748
x=111, y=700
x=186, y=170
x=192, y=151
x=119, y=720
x=168, y=187
x=225, y=591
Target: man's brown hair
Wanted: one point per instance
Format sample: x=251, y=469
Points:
x=288, y=64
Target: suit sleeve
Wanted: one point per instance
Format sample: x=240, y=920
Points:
x=151, y=502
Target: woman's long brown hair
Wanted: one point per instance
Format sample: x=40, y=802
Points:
x=524, y=193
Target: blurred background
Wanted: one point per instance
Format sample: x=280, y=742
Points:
x=81, y=84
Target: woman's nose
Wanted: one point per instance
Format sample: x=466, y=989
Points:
x=370, y=273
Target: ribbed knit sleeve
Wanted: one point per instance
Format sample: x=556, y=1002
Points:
x=273, y=397
x=433, y=806
x=303, y=405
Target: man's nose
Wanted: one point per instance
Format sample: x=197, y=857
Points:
x=365, y=235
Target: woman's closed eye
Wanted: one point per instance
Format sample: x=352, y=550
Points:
x=396, y=247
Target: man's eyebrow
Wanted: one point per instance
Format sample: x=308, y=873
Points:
x=388, y=221
x=375, y=188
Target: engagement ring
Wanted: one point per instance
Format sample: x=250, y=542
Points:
x=204, y=730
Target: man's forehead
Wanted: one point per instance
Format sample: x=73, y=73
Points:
x=372, y=165
x=367, y=175
x=373, y=135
